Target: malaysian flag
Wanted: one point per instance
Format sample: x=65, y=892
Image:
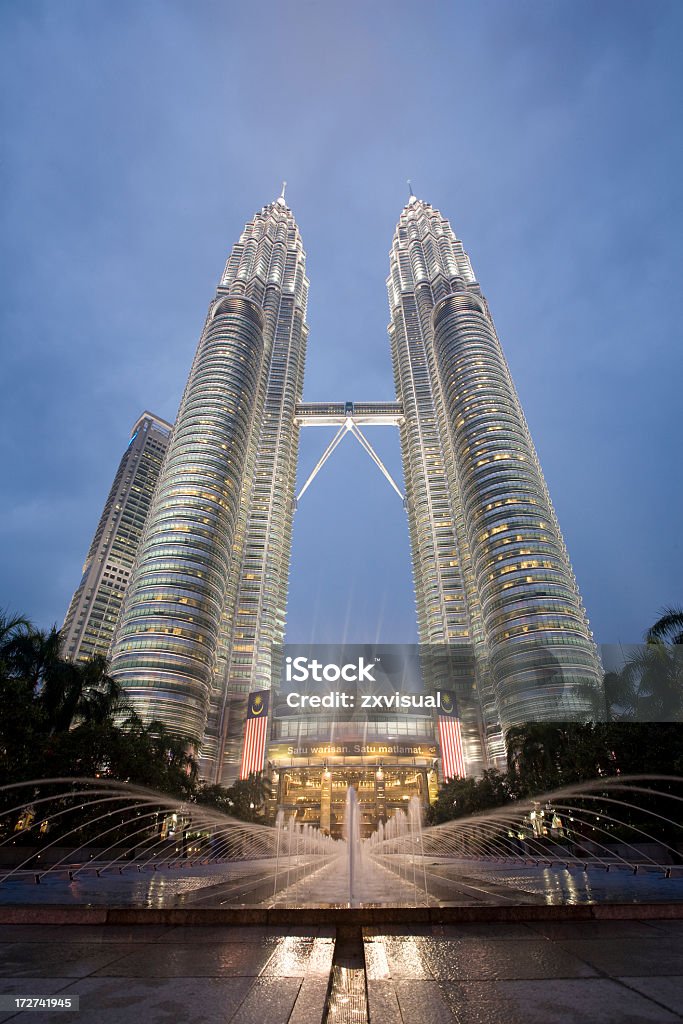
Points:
x=255, y=729
x=450, y=738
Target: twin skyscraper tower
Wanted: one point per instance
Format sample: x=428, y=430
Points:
x=495, y=593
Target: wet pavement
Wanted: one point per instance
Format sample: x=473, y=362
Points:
x=592, y=972
x=588, y=972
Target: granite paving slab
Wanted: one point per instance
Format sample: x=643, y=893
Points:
x=190, y=961
x=462, y=959
x=82, y=933
x=269, y=1001
x=668, y=991
x=32, y=987
x=58, y=960
x=482, y=930
x=552, y=1001
x=422, y=1002
x=309, y=1007
x=606, y=930
x=403, y=956
x=376, y=961
x=237, y=933
x=161, y=1001
x=672, y=926
x=296, y=957
x=660, y=955
x=383, y=1002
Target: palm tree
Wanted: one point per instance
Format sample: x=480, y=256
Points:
x=534, y=753
x=260, y=789
x=668, y=628
x=649, y=687
x=11, y=627
x=621, y=696
x=32, y=665
x=60, y=689
x=24, y=650
x=654, y=675
x=249, y=796
x=171, y=756
x=102, y=697
x=18, y=739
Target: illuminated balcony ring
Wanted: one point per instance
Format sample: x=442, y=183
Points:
x=238, y=304
x=456, y=304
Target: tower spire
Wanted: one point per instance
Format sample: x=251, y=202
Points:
x=281, y=197
x=411, y=195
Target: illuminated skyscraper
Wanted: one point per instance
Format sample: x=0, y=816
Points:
x=207, y=597
x=94, y=609
x=500, y=619
x=489, y=562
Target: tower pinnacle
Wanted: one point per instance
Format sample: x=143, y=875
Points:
x=281, y=197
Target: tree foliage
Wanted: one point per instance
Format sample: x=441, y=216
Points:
x=245, y=799
x=642, y=733
x=63, y=718
x=459, y=798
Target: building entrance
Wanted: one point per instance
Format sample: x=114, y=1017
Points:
x=316, y=793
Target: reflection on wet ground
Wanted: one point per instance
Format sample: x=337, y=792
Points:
x=576, y=884
x=602, y=972
x=397, y=881
x=263, y=975
x=239, y=882
x=374, y=885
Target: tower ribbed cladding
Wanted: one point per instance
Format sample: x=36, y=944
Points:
x=499, y=614
x=489, y=561
x=206, y=562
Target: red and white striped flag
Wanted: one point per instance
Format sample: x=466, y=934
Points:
x=255, y=731
x=450, y=739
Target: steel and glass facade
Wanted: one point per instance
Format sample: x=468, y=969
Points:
x=498, y=609
x=491, y=569
x=268, y=264
x=95, y=606
x=207, y=595
x=541, y=655
x=167, y=639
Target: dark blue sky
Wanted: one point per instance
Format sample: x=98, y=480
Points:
x=139, y=136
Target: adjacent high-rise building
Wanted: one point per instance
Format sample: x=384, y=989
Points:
x=94, y=609
x=500, y=620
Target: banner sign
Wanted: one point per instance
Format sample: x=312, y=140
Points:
x=450, y=738
x=255, y=731
x=324, y=751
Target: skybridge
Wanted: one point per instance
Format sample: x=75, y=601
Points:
x=349, y=417
x=335, y=414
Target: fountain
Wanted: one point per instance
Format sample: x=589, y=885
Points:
x=352, y=830
x=279, y=823
x=415, y=819
x=101, y=841
x=131, y=832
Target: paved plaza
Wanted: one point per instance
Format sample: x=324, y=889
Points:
x=593, y=972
